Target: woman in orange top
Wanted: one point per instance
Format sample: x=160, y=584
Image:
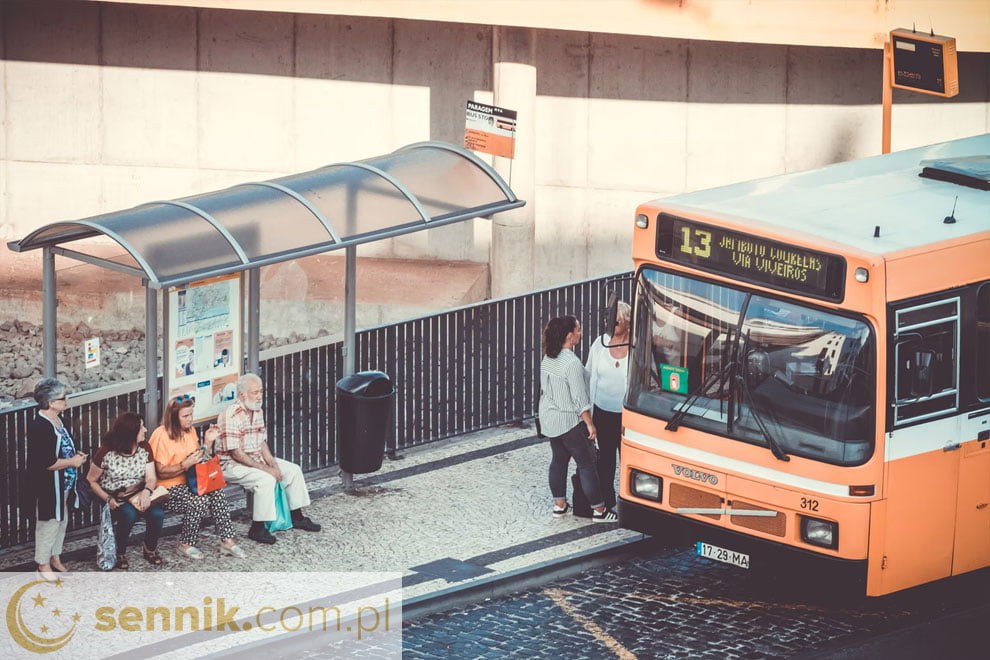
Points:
x=177, y=448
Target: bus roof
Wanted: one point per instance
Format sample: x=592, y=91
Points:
x=846, y=201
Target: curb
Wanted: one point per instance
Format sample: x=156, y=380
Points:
x=521, y=578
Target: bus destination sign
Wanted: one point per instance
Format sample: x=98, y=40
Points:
x=751, y=258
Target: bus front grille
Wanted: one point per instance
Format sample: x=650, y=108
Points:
x=683, y=497
x=776, y=525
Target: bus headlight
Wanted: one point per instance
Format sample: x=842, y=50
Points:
x=820, y=532
x=645, y=485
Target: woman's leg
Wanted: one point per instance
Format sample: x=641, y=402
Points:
x=154, y=519
x=193, y=509
x=124, y=517
x=221, y=514
x=559, y=460
x=609, y=426
x=577, y=444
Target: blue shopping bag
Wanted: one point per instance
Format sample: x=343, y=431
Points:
x=283, y=515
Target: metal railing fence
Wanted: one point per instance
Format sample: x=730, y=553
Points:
x=454, y=372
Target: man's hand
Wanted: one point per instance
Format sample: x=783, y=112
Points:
x=274, y=471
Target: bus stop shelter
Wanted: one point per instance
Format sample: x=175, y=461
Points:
x=174, y=243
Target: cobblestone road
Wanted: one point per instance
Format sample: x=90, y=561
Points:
x=672, y=604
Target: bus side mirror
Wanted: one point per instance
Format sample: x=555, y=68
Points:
x=923, y=378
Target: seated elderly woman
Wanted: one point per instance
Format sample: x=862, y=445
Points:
x=124, y=467
x=177, y=448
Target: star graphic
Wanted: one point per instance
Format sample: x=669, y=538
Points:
x=39, y=600
x=56, y=612
x=58, y=582
x=44, y=629
x=76, y=617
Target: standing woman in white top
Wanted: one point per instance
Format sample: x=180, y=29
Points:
x=606, y=367
x=565, y=417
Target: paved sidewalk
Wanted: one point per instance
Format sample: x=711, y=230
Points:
x=448, y=515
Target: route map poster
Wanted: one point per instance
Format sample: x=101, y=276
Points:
x=204, y=343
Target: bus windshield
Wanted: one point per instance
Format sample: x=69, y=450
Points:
x=753, y=368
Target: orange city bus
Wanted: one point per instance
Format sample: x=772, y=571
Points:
x=809, y=372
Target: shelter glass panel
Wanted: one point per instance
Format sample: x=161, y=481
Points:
x=444, y=181
x=171, y=239
x=262, y=220
x=355, y=201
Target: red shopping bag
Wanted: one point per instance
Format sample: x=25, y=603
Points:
x=205, y=477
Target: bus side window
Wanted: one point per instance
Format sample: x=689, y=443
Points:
x=927, y=367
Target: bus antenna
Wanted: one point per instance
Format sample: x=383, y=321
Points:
x=876, y=231
x=951, y=218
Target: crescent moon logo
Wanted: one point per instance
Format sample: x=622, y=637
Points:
x=25, y=637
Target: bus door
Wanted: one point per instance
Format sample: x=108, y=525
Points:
x=937, y=475
x=972, y=546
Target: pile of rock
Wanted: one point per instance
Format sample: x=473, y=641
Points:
x=21, y=358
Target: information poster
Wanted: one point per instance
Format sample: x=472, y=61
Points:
x=204, y=337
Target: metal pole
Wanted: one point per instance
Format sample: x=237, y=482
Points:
x=254, y=319
x=151, y=396
x=350, y=336
x=49, y=312
x=888, y=95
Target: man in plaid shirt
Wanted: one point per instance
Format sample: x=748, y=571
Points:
x=247, y=461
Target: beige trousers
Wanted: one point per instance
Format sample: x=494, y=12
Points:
x=262, y=486
x=49, y=536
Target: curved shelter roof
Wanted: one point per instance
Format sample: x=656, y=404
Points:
x=173, y=242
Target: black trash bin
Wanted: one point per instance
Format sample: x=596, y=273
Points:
x=365, y=406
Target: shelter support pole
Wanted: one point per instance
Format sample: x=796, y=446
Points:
x=254, y=319
x=49, y=312
x=513, y=232
x=888, y=95
x=151, y=394
x=350, y=335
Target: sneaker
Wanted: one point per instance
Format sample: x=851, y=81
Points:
x=261, y=535
x=604, y=516
x=559, y=511
x=304, y=523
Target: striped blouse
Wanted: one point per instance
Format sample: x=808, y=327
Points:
x=563, y=393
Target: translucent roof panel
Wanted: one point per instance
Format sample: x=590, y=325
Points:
x=263, y=220
x=441, y=179
x=254, y=224
x=355, y=201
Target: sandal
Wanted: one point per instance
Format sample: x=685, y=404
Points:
x=152, y=557
x=190, y=551
x=122, y=563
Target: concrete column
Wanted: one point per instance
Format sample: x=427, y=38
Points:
x=513, y=232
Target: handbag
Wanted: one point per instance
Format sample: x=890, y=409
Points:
x=84, y=493
x=283, y=515
x=205, y=477
x=158, y=496
x=106, y=542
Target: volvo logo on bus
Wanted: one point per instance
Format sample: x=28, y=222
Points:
x=682, y=471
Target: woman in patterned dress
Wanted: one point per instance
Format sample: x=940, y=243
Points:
x=54, y=470
x=124, y=466
x=177, y=448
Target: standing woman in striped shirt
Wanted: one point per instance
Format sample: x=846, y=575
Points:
x=565, y=417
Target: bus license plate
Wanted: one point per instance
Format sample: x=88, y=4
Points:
x=722, y=555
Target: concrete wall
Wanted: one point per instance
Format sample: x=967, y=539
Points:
x=109, y=105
